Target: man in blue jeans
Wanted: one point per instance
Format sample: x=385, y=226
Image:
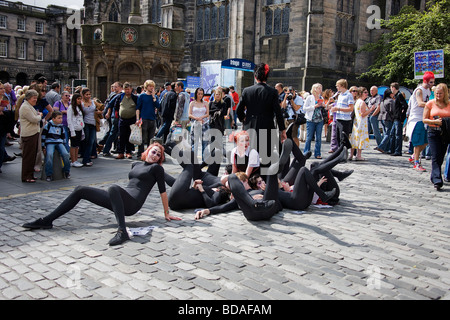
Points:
x=447, y=166
x=399, y=116
x=168, y=106
x=109, y=113
x=375, y=100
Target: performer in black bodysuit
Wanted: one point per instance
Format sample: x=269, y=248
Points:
x=123, y=201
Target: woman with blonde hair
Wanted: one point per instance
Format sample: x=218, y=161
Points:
x=313, y=108
x=436, y=115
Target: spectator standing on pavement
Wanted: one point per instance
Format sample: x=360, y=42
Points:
x=62, y=105
x=181, y=115
x=112, y=116
x=168, y=105
x=199, y=115
x=415, y=128
x=435, y=111
x=30, y=119
x=375, y=100
x=399, y=115
x=344, y=108
x=293, y=104
x=314, y=107
x=360, y=135
x=127, y=102
x=147, y=103
x=54, y=94
x=75, y=122
x=235, y=96
x=90, y=131
x=122, y=201
x=46, y=110
x=387, y=119
x=3, y=125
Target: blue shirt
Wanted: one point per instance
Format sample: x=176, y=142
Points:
x=147, y=106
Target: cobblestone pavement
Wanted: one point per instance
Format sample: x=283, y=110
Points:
x=387, y=239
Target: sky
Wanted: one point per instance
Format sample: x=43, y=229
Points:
x=45, y=3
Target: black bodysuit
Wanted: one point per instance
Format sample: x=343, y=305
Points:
x=123, y=201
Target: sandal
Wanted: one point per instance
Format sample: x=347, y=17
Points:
x=30, y=181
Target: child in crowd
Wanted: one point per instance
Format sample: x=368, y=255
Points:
x=53, y=137
x=75, y=123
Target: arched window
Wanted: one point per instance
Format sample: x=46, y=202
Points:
x=113, y=13
x=345, y=21
x=212, y=19
x=277, y=14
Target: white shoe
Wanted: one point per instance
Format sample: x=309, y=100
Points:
x=76, y=164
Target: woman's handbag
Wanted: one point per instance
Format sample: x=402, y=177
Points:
x=135, y=135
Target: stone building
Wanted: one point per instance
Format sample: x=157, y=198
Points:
x=36, y=42
x=303, y=41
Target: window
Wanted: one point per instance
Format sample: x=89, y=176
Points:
x=39, y=53
x=277, y=14
x=345, y=21
x=21, y=24
x=156, y=11
x=39, y=27
x=21, y=50
x=113, y=13
x=2, y=22
x=212, y=19
x=3, y=48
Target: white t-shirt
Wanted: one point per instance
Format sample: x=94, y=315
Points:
x=253, y=157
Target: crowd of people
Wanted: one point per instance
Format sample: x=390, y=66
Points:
x=259, y=178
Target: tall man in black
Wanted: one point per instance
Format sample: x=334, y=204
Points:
x=168, y=106
x=256, y=110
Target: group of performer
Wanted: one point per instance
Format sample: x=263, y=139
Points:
x=259, y=190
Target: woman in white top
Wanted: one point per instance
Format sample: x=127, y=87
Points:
x=314, y=120
x=199, y=115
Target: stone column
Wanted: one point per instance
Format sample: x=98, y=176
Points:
x=135, y=14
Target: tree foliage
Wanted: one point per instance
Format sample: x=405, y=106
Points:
x=408, y=32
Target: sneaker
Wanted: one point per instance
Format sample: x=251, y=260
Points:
x=418, y=167
x=67, y=175
x=49, y=178
x=411, y=160
x=89, y=164
x=76, y=164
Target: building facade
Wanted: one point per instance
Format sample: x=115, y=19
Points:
x=36, y=42
x=303, y=41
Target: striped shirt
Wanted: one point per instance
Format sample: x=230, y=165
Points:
x=345, y=99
